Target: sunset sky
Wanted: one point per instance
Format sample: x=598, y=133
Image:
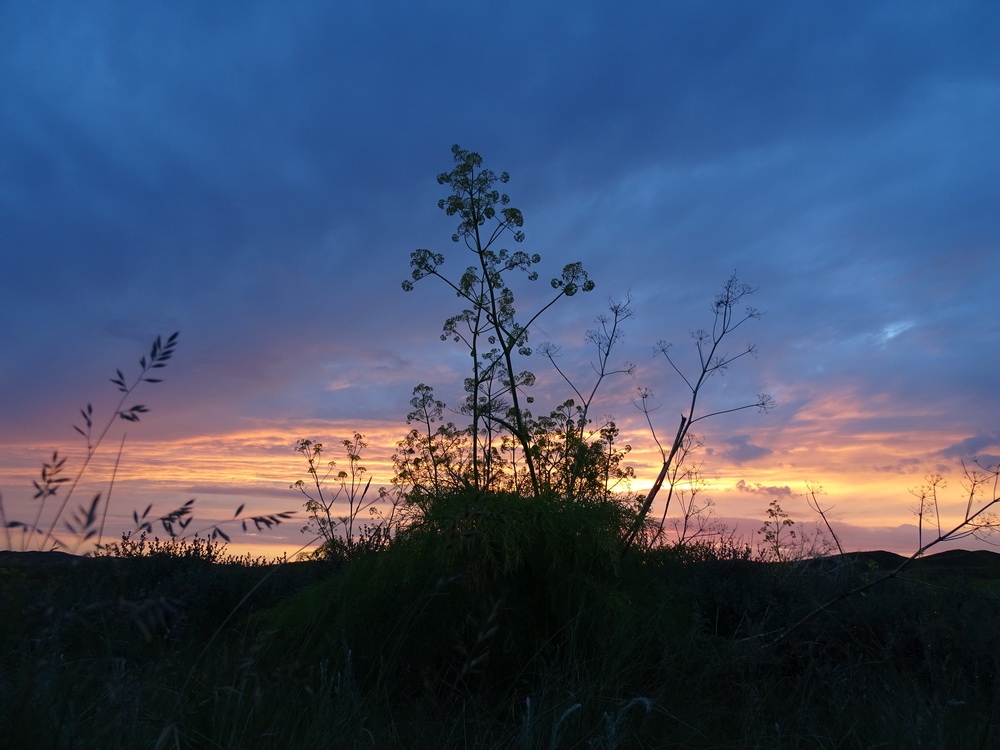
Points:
x=255, y=176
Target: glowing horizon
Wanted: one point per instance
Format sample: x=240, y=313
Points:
x=256, y=466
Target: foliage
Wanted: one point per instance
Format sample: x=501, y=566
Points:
x=575, y=463
x=482, y=591
x=431, y=460
x=197, y=548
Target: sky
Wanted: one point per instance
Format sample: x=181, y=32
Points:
x=255, y=176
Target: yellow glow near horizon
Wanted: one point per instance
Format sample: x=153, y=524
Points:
x=865, y=478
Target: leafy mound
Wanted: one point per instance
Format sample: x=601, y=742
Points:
x=486, y=592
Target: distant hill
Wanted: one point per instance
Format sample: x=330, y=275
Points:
x=972, y=563
x=966, y=563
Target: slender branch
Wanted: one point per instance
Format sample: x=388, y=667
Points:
x=706, y=346
x=111, y=486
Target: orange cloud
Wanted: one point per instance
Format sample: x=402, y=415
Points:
x=865, y=475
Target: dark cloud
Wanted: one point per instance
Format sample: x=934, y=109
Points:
x=971, y=447
x=757, y=488
x=741, y=450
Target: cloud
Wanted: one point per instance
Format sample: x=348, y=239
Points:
x=972, y=446
x=759, y=489
x=239, y=491
x=903, y=466
x=742, y=450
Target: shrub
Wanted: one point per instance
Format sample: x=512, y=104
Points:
x=482, y=584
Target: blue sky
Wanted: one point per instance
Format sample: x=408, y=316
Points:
x=255, y=176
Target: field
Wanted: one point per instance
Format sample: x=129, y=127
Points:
x=464, y=641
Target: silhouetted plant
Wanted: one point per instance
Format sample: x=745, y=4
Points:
x=777, y=533
x=489, y=325
x=575, y=460
x=197, y=548
x=345, y=535
x=712, y=361
x=582, y=465
x=433, y=459
x=694, y=523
